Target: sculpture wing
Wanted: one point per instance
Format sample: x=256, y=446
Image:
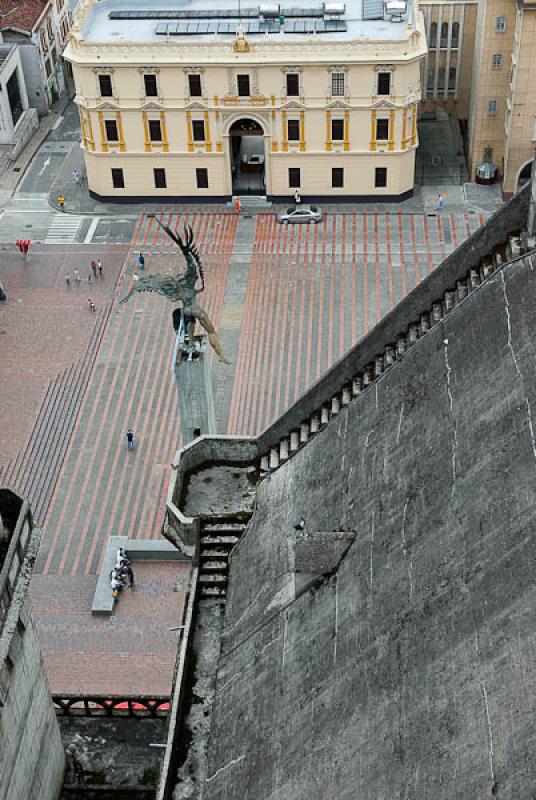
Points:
x=161, y=284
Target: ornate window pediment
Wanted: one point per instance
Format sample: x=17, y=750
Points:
x=335, y=104
x=293, y=105
x=107, y=106
x=196, y=106
x=383, y=104
x=149, y=70
x=152, y=106
x=384, y=68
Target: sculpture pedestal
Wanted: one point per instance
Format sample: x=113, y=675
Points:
x=194, y=386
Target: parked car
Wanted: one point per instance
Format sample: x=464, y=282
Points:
x=310, y=214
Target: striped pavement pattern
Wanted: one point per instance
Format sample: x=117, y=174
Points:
x=103, y=489
x=314, y=291
x=310, y=293
x=63, y=229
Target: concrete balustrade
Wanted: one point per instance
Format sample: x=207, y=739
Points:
x=448, y=301
x=437, y=312
x=474, y=278
x=346, y=395
x=324, y=415
x=304, y=432
x=335, y=405
x=283, y=449
x=294, y=440
x=357, y=385
x=424, y=323
x=274, y=458
x=315, y=423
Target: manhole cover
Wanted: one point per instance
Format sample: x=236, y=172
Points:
x=16, y=169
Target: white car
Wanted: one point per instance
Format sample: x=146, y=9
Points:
x=310, y=214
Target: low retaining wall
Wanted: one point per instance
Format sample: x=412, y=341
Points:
x=180, y=530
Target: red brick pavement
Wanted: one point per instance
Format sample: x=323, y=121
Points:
x=44, y=328
x=131, y=652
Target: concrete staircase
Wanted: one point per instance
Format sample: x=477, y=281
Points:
x=251, y=202
x=218, y=536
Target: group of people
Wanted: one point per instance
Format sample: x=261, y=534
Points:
x=121, y=573
x=97, y=271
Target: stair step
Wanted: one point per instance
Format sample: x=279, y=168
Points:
x=213, y=591
x=212, y=579
x=223, y=527
x=219, y=540
x=214, y=566
x=214, y=552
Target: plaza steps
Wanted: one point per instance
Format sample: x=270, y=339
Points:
x=218, y=536
x=33, y=473
x=505, y=253
x=251, y=202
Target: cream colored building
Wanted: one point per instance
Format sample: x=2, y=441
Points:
x=447, y=70
x=189, y=102
x=503, y=110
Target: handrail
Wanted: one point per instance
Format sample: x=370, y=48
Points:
x=82, y=705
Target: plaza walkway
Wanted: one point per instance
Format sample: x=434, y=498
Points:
x=287, y=302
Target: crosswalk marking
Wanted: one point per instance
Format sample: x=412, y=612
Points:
x=63, y=229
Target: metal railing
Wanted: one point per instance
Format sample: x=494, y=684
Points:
x=142, y=707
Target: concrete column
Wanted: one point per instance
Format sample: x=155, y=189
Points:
x=265, y=463
x=304, y=432
x=324, y=415
x=335, y=405
x=357, y=385
x=315, y=423
x=283, y=449
x=437, y=312
x=294, y=441
x=346, y=395
x=274, y=458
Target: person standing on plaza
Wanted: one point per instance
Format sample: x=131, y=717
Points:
x=94, y=268
x=297, y=198
x=130, y=439
x=77, y=278
x=61, y=202
x=67, y=279
x=141, y=261
x=440, y=202
x=100, y=267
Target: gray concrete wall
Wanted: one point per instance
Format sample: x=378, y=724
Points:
x=31, y=751
x=411, y=674
x=34, y=78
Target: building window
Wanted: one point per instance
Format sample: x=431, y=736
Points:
x=455, y=35
x=160, y=178
x=430, y=81
x=198, y=130
x=337, y=84
x=496, y=61
x=110, y=126
x=194, y=85
x=118, y=180
x=433, y=34
x=293, y=84
x=337, y=130
x=488, y=154
x=492, y=107
x=201, y=176
x=384, y=83
x=243, y=85
x=444, y=34
x=294, y=180
x=380, y=177
x=382, y=130
x=337, y=178
x=441, y=78
x=500, y=24
x=452, y=78
x=151, y=89
x=105, y=85
x=293, y=129
x=155, y=130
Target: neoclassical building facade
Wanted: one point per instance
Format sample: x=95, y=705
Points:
x=187, y=103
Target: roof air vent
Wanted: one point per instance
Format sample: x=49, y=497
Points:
x=269, y=10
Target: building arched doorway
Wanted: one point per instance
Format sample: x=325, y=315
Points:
x=247, y=156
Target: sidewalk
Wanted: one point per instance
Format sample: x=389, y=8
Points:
x=12, y=172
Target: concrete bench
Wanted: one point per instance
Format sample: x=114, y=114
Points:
x=136, y=550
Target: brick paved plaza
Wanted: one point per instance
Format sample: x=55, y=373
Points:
x=288, y=302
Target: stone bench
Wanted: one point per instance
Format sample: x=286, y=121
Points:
x=136, y=550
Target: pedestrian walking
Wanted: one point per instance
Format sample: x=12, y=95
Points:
x=297, y=198
x=94, y=268
x=61, y=202
x=76, y=177
x=91, y=304
x=77, y=278
x=100, y=268
x=440, y=202
x=67, y=279
x=130, y=439
x=130, y=576
x=141, y=261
